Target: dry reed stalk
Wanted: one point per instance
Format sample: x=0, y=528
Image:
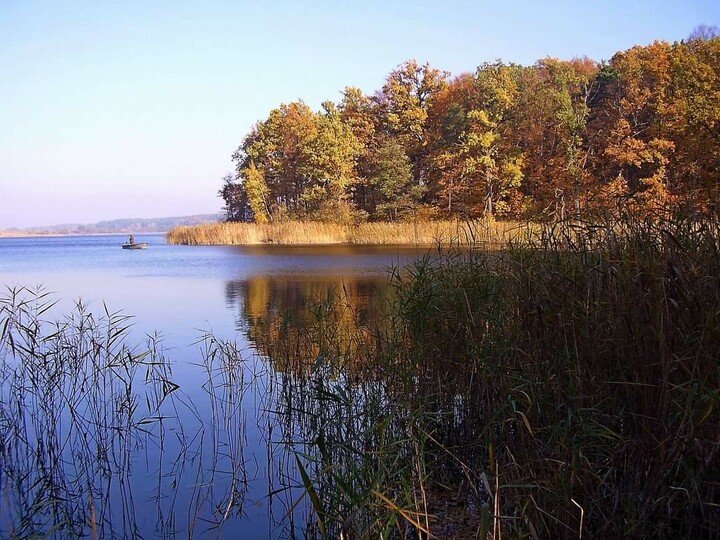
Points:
x=93, y=520
x=478, y=232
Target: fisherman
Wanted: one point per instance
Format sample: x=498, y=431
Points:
x=131, y=240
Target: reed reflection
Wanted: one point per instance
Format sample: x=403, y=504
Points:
x=96, y=440
x=339, y=439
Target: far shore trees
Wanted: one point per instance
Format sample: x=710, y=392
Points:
x=553, y=140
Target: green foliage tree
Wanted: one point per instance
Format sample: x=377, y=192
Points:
x=390, y=176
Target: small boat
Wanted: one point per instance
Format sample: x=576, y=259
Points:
x=135, y=245
x=132, y=244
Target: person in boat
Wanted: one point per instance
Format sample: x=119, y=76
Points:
x=131, y=239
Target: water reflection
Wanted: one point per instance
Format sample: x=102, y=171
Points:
x=346, y=423
x=98, y=440
x=276, y=312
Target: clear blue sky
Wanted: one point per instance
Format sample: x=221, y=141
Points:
x=114, y=109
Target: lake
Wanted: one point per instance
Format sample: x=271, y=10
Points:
x=199, y=453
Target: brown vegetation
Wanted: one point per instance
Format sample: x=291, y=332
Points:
x=377, y=233
x=562, y=389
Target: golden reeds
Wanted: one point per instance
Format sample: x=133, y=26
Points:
x=377, y=233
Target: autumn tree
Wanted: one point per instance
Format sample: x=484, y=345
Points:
x=297, y=162
x=279, y=147
x=236, y=205
x=362, y=114
x=446, y=128
x=404, y=101
x=549, y=124
x=629, y=128
x=694, y=119
x=481, y=169
x=553, y=140
x=256, y=193
x=329, y=169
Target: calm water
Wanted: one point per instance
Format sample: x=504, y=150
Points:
x=209, y=468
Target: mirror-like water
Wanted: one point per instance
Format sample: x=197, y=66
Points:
x=179, y=442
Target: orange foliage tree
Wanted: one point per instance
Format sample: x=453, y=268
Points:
x=558, y=139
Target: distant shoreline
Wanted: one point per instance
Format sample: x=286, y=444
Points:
x=33, y=234
x=134, y=226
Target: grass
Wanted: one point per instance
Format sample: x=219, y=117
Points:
x=565, y=388
x=307, y=233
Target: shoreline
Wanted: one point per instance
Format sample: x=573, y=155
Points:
x=29, y=234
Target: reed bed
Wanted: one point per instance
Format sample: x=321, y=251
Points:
x=81, y=411
x=566, y=388
x=377, y=233
x=75, y=402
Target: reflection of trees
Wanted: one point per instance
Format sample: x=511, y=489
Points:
x=291, y=320
x=97, y=441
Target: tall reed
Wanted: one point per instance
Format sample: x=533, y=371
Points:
x=81, y=412
x=563, y=388
x=75, y=402
x=306, y=233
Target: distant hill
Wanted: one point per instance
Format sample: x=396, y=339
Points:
x=127, y=225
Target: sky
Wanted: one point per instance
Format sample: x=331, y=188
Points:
x=119, y=109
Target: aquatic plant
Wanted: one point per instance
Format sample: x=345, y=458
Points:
x=563, y=388
x=93, y=429
x=76, y=402
x=427, y=233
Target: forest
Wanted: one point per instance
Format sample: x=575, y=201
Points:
x=559, y=139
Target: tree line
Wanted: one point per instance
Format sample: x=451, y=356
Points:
x=558, y=139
